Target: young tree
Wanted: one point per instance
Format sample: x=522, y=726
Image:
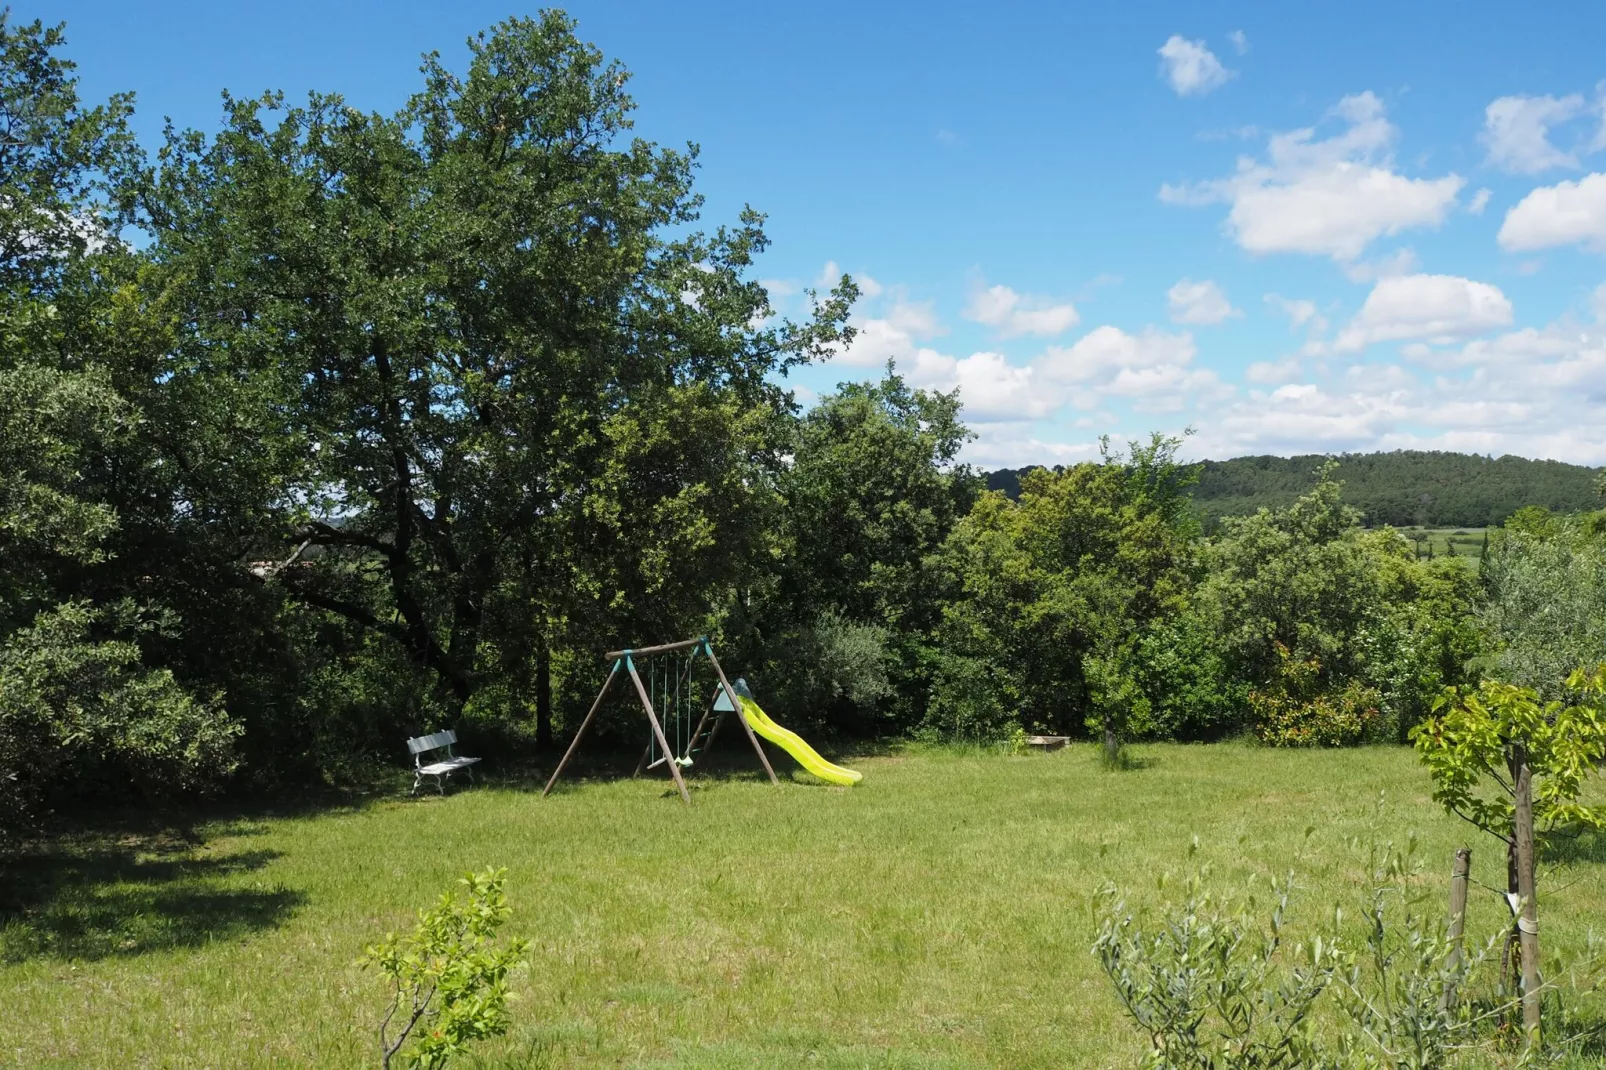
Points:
x=511, y=397
x=1514, y=765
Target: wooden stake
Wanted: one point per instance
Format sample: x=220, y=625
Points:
x=736, y=706
x=1528, y=919
x=1460, y=874
x=606, y=684
x=663, y=744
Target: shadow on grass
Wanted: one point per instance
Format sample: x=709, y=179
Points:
x=1574, y=848
x=100, y=900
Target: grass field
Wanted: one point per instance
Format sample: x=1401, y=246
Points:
x=1458, y=542
x=939, y=915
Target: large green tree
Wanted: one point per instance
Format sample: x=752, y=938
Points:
x=498, y=393
x=79, y=695
x=872, y=490
x=1057, y=592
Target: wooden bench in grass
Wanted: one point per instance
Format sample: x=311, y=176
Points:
x=440, y=768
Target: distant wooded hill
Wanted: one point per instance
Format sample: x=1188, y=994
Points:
x=1401, y=488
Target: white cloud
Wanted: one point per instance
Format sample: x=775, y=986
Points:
x=1240, y=43
x=1011, y=314
x=1434, y=307
x=1597, y=303
x=1516, y=131
x=1563, y=214
x=1199, y=302
x=895, y=335
x=1267, y=371
x=1399, y=262
x=1479, y=201
x=1190, y=67
x=1299, y=312
x=1331, y=196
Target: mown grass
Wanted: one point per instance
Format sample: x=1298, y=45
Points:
x=939, y=915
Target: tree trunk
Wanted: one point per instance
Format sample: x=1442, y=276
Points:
x=1112, y=743
x=1528, y=919
x=543, y=696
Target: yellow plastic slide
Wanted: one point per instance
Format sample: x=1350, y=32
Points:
x=793, y=744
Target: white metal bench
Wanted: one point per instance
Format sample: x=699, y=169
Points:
x=441, y=768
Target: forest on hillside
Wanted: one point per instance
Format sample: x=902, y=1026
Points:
x=1400, y=488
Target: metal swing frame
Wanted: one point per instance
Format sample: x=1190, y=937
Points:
x=625, y=660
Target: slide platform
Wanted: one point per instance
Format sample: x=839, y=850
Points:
x=790, y=741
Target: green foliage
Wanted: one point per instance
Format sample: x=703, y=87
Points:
x=78, y=709
x=1476, y=737
x=1401, y=488
x=1215, y=988
x=1294, y=711
x=1544, y=602
x=1214, y=984
x=1054, y=594
x=1191, y=693
x=448, y=976
x=872, y=491
x=520, y=401
x=1408, y=991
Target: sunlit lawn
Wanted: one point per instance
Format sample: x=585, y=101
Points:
x=939, y=915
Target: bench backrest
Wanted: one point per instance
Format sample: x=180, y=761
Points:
x=420, y=744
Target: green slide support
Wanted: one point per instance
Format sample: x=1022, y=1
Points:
x=789, y=741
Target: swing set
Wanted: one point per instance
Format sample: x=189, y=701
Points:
x=672, y=688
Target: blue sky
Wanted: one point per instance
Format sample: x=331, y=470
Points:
x=1290, y=227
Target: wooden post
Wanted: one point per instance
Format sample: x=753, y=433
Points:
x=1460, y=875
x=736, y=706
x=663, y=744
x=1528, y=919
x=606, y=684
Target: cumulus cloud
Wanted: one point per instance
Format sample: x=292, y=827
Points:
x=1012, y=314
x=1434, y=307
x=1240, y=42
x=1191, y=68
x=1516, y=131
x=1199, y=302
x=1330, y=196
x=1479, y=201
x=1597, y=303
x=1567, y=213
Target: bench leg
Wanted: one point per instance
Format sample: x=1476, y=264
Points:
x=418, y=778
x=440, y=783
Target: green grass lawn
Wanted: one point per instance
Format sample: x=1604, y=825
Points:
x=939, y=915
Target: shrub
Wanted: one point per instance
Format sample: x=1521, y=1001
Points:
x=970, y=702
x=1192, y=695
x=448, y=975
x=1212, y=987
x=1294, y=711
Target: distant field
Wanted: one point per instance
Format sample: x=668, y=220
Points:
x=1462, y=542
x=939, y=915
